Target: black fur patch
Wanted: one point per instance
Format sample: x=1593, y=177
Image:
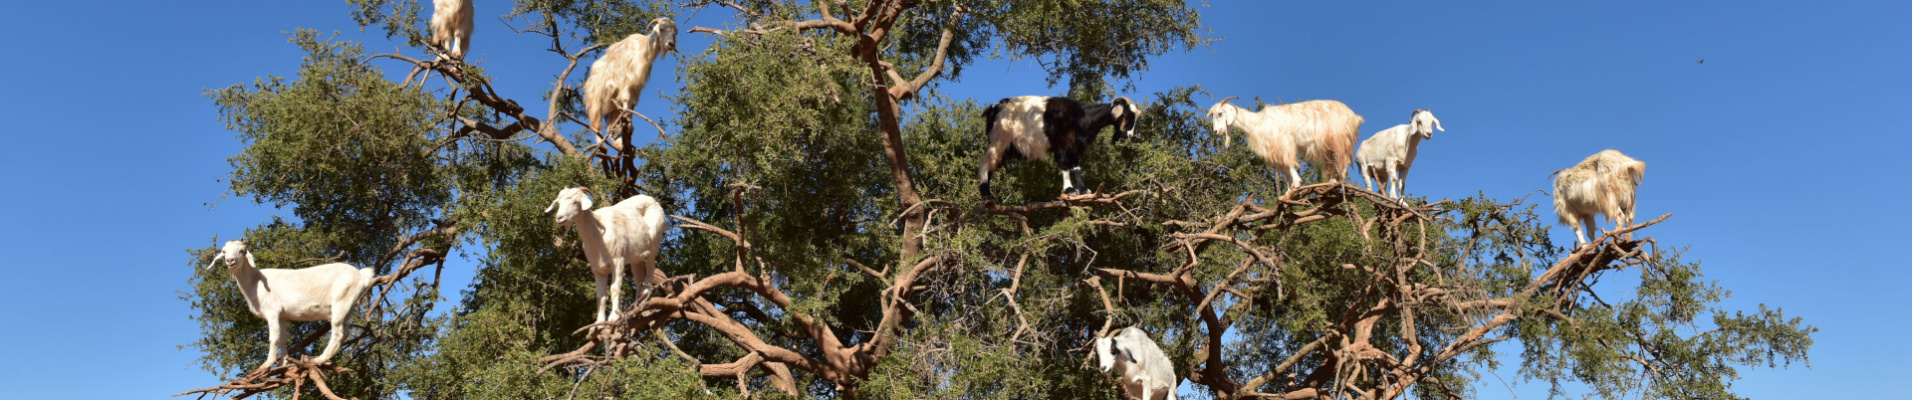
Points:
x=1062, y=121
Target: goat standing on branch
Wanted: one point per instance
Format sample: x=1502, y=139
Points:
x=1145, y=372
x=1321, y=132
x=628, y=233
x=451, y=26
x=1390, y=153
x=320, y=293
x=1031, y=127
x=1604, y=183
x=617, y=78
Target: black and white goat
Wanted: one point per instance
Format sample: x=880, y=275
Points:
x=1031, y=127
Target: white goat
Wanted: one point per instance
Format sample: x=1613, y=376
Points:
x=319, y=293
x=1604, y=183
x=1146, y=373
x=618, y=77
x=451, y=26
x=1322, y=132
x=628, y=233
x=1390, y=153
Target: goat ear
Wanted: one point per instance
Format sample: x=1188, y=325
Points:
x=1125, y=353
x=215, y=260
x=249, y=262
x=554, y=206
x=585, y=202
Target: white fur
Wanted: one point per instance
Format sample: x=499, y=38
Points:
x=1390, y=153
x=451, y=26
x=1145, y=372
x=629, y=233
x=1322, y=132
x=618, y=77
x=321, y=293
x=1606, y=184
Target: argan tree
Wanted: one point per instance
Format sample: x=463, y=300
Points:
x=829, y=242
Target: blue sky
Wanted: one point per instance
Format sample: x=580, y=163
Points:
x=1743, y=149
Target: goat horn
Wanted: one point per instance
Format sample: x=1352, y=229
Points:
x=1226, y=99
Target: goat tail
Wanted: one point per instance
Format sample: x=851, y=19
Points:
x=654, y=218
x=1349, y=135
x=593, y=111
x=366, y=275
x=989, y=118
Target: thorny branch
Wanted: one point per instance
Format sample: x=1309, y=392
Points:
x=833, y=361
x=294, y=372
x=1352, y=363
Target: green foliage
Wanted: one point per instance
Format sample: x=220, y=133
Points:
x=352, y=151
x=1086, y=41
x=1661, y=343
x=515, y=376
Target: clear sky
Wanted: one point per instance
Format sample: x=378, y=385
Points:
x=112, y=138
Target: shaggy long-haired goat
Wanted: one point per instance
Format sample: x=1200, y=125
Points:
x=617, y=78
x=1322, y=132
x=628, y=233
x=320, y=293
x=1145, y=372
x=451, y=26
x=1031, y=127
x=1604, y=183
x=1390, y=153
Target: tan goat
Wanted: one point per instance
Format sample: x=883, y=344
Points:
x=1604, y=183
x=617, y=78
x=451, y=26
x=1321, y=132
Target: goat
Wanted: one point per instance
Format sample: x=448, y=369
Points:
x=1321, y=132
x=320, y=293
x=617, y=78
x=1031, y=127
x=1146, y=373
x=451, y=26
x=1390, y=153
x=628, y=233
x=1604, y=183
